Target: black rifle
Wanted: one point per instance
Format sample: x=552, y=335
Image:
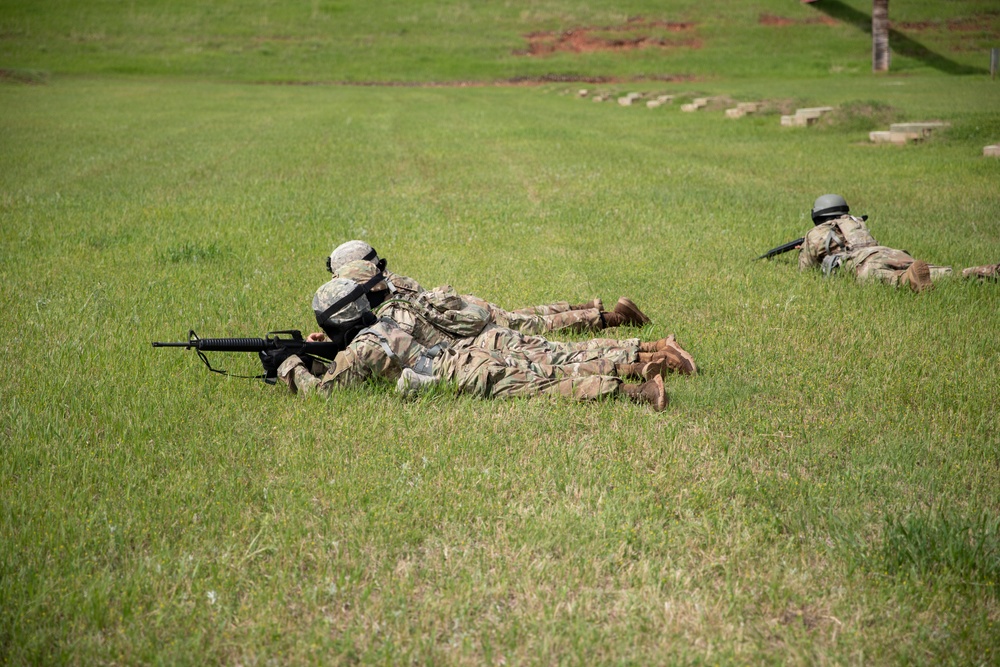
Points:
x=273, y=349
x=781, y=249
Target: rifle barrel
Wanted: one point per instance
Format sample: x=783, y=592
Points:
x=223, y=344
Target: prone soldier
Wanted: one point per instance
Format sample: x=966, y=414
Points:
x=441, y=317
x=840, y=239
x=382, y=349
x=587, y=316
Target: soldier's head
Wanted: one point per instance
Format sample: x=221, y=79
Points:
x=363, y=272
x=350, y=251
x=342, y=306
x=829, y=207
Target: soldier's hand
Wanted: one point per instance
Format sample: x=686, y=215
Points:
x=317, y=337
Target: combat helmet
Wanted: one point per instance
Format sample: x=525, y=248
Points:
x=351, y=250
x=828, y=207
x=342, y=308
x=361, y=271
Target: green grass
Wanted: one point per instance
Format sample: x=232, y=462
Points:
x=327, y=40
x=824, y=491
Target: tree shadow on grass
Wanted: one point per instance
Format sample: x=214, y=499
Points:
x=898, y=42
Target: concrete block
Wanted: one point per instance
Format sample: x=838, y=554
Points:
x=689, y=107
x=748, y=107
x=991, y=151
x=890, y=137
x=665, y=99
x=881, y=137
x=735, y=113
x=627, y=100
x=700, y=102
x=583, y=92
x=797, y=121
x=922, y=129
x=812, y=112
x=652, y=104
x=906, y=137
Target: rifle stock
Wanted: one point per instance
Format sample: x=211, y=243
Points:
x=273, y=349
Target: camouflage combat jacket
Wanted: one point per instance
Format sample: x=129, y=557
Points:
x=402, y=285
x=845, y=240
x=436, y=317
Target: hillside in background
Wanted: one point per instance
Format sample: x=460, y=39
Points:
x=457, y=41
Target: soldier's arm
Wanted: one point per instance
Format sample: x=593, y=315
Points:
x=373, y=356
x=811, y=251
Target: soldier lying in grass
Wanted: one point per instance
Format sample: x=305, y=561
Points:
x=588, y=316
x=381, y=348
x=841, y=239
x=441, y=317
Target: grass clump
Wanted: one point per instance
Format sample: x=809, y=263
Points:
x=191, y=252
x=943, y=543
x=860, y=116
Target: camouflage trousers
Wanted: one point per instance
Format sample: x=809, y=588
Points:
x=487, y=375
x=886, y=265
x=536, y=349
x=547, y=309
x=540, y=319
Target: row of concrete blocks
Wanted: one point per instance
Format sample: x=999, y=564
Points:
x=899, y=133
x=629, y=99
x=740, y=110
x=904, y=133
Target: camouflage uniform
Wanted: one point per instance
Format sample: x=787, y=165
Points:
x=846, y=241
x=442, y=317
x=384, y=349
x=534, y=320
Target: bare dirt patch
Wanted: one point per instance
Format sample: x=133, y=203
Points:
x=512, y=81
x=637, y=33
x=785, y=22
x=983, y=23
x=31, y=77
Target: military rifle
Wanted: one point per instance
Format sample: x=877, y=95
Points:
x=273, y=349
x=781, y=249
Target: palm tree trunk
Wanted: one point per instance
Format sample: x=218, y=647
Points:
x=880, y=35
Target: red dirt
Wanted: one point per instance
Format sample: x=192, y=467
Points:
x=625, y=37
x=514, y=81
x=986, y=23
x=784, y=21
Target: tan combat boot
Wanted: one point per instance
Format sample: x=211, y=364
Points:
x=625, y=313
x=670, y=352
x=646, y=371
x=917, y=276
x=988, y=272
x=685, y=364
x=651, y=391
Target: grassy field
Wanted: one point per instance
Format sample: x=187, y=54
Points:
x=825, y=491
